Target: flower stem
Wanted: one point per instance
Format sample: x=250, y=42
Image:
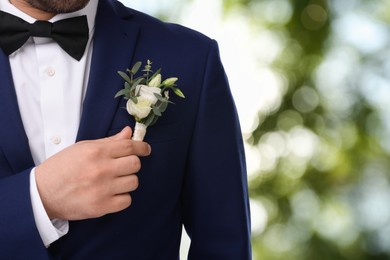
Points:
x=139, y=131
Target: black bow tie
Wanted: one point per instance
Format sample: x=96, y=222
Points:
x=70, y=34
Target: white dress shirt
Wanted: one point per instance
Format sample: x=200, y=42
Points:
x=50, y=87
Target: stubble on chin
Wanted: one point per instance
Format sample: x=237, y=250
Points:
x=58, y=6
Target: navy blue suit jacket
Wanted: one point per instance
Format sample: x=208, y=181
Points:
x=195, y=175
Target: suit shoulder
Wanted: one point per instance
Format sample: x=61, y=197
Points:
x=157, y=27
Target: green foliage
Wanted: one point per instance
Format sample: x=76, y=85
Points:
x=324, y=175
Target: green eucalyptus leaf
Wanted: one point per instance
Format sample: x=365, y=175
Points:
x=121, y=92
x=163, y=106
x=140, y=80
x=154, y=120
x=149, y=119
x=132, y=91
x=159, y=97
x=124, y=76
x=156, y=111
x=136, y=67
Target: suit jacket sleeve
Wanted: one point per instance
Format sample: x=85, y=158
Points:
x=19, y=237
x=215, y=201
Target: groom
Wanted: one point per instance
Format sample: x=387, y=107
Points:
x=73, y=185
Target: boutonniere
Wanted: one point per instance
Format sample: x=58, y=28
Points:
x=147, y=96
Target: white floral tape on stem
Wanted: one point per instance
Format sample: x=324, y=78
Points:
x=139, y=131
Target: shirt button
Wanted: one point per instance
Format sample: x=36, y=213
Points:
x=56, y=140
x=50, y=72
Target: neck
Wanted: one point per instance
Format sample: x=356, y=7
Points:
x=26, y=8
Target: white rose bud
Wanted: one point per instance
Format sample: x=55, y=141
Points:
x=156, y=81
x=141, y=109
x=170, y=81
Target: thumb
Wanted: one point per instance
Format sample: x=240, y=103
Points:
x=124, y=134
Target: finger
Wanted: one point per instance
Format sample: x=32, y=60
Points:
x=126, y=165
x=124, y=134
x=140, y=148
x=119, y=202
x=125, y=184
x=122, y=148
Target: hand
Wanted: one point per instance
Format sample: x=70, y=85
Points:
x=91, y=178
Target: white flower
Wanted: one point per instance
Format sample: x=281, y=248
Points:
x=142, y=94
x=148, y=93
x=141, y=109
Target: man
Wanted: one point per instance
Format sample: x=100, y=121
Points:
x=106, y=196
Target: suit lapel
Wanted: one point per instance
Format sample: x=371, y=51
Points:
x=13, y=141
x=114, y=43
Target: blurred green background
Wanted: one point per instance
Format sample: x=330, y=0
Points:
x=312, y=85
